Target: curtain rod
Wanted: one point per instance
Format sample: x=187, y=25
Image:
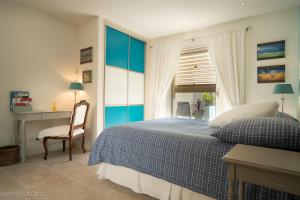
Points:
x=193, y=39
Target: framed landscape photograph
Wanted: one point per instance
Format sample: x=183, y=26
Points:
x=87, y=76
x=271, y=74
x=271, y=50
x=86, y=55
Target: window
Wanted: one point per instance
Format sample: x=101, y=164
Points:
x=195, y=83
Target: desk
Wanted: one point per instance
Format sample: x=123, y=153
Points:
x=23, y=117
x=272, y=168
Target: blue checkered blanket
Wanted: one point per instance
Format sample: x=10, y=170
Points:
x=177, y=150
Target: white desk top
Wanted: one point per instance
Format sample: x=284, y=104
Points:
x=42, y=115
x=40, y=111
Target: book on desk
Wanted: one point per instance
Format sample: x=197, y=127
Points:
x=20, y=101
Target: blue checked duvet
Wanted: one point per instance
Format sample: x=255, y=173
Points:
x=177, y=150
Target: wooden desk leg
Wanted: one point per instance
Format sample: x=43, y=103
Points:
x=22, y=136
x=241, y=190
x=16, y=138
x=231, y=180
x=230, y=192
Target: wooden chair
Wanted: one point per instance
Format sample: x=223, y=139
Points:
x=68, y=132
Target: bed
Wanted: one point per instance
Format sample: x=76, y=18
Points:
x=169, y=159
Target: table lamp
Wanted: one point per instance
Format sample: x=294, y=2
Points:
x=75, y=86
x=283, y=89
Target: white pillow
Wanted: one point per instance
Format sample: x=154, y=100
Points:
x=247, y=111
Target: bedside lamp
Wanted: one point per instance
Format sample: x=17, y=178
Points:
x=75, y=86
x=283, y=89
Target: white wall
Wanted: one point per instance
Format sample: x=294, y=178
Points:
x=283, y=25
x=278, y=26
x=41, y=53
x=37, y=53
x=87, y=35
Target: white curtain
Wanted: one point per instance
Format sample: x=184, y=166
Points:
x=163, y=61
x=227, y=51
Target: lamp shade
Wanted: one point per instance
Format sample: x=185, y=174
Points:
x=283, y=89
x=75, y=86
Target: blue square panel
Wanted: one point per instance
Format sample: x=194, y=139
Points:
x=135, y=113
x=115, y=115
x=117, y=45
x=137, y=55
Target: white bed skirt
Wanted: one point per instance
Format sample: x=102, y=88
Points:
x=146, y=184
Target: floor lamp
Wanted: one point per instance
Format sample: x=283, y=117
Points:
x=283, y=89
x=75, y=86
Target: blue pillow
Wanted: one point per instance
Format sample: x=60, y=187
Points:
x=273, y=132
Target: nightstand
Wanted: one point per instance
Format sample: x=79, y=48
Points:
x=273, y=168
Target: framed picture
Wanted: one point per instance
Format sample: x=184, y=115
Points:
x=87, y=76
x=271, y=50
x=86, y=55
x=271, y=74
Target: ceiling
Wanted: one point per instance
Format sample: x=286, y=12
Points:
x=155, y=18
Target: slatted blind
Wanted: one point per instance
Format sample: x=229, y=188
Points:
x=195, y=68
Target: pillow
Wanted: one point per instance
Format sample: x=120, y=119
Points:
x=285, y=115
x=248, y=111
x=273, y=132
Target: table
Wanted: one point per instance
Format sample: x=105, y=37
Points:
x=272, y=168
x=24, y=117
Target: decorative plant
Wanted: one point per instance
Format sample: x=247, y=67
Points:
x=208, y=99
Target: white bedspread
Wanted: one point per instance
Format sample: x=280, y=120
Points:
x=146, y=184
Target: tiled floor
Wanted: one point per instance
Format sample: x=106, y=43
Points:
x=59, y=179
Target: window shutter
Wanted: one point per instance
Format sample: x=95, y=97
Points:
x=195, y=69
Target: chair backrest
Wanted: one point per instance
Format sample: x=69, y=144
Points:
x=79, y=116
x=183, y=109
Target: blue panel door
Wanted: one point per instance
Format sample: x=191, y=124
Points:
x=135, y=113
x=115, y=115
x=117, y=45
x=137, y=55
